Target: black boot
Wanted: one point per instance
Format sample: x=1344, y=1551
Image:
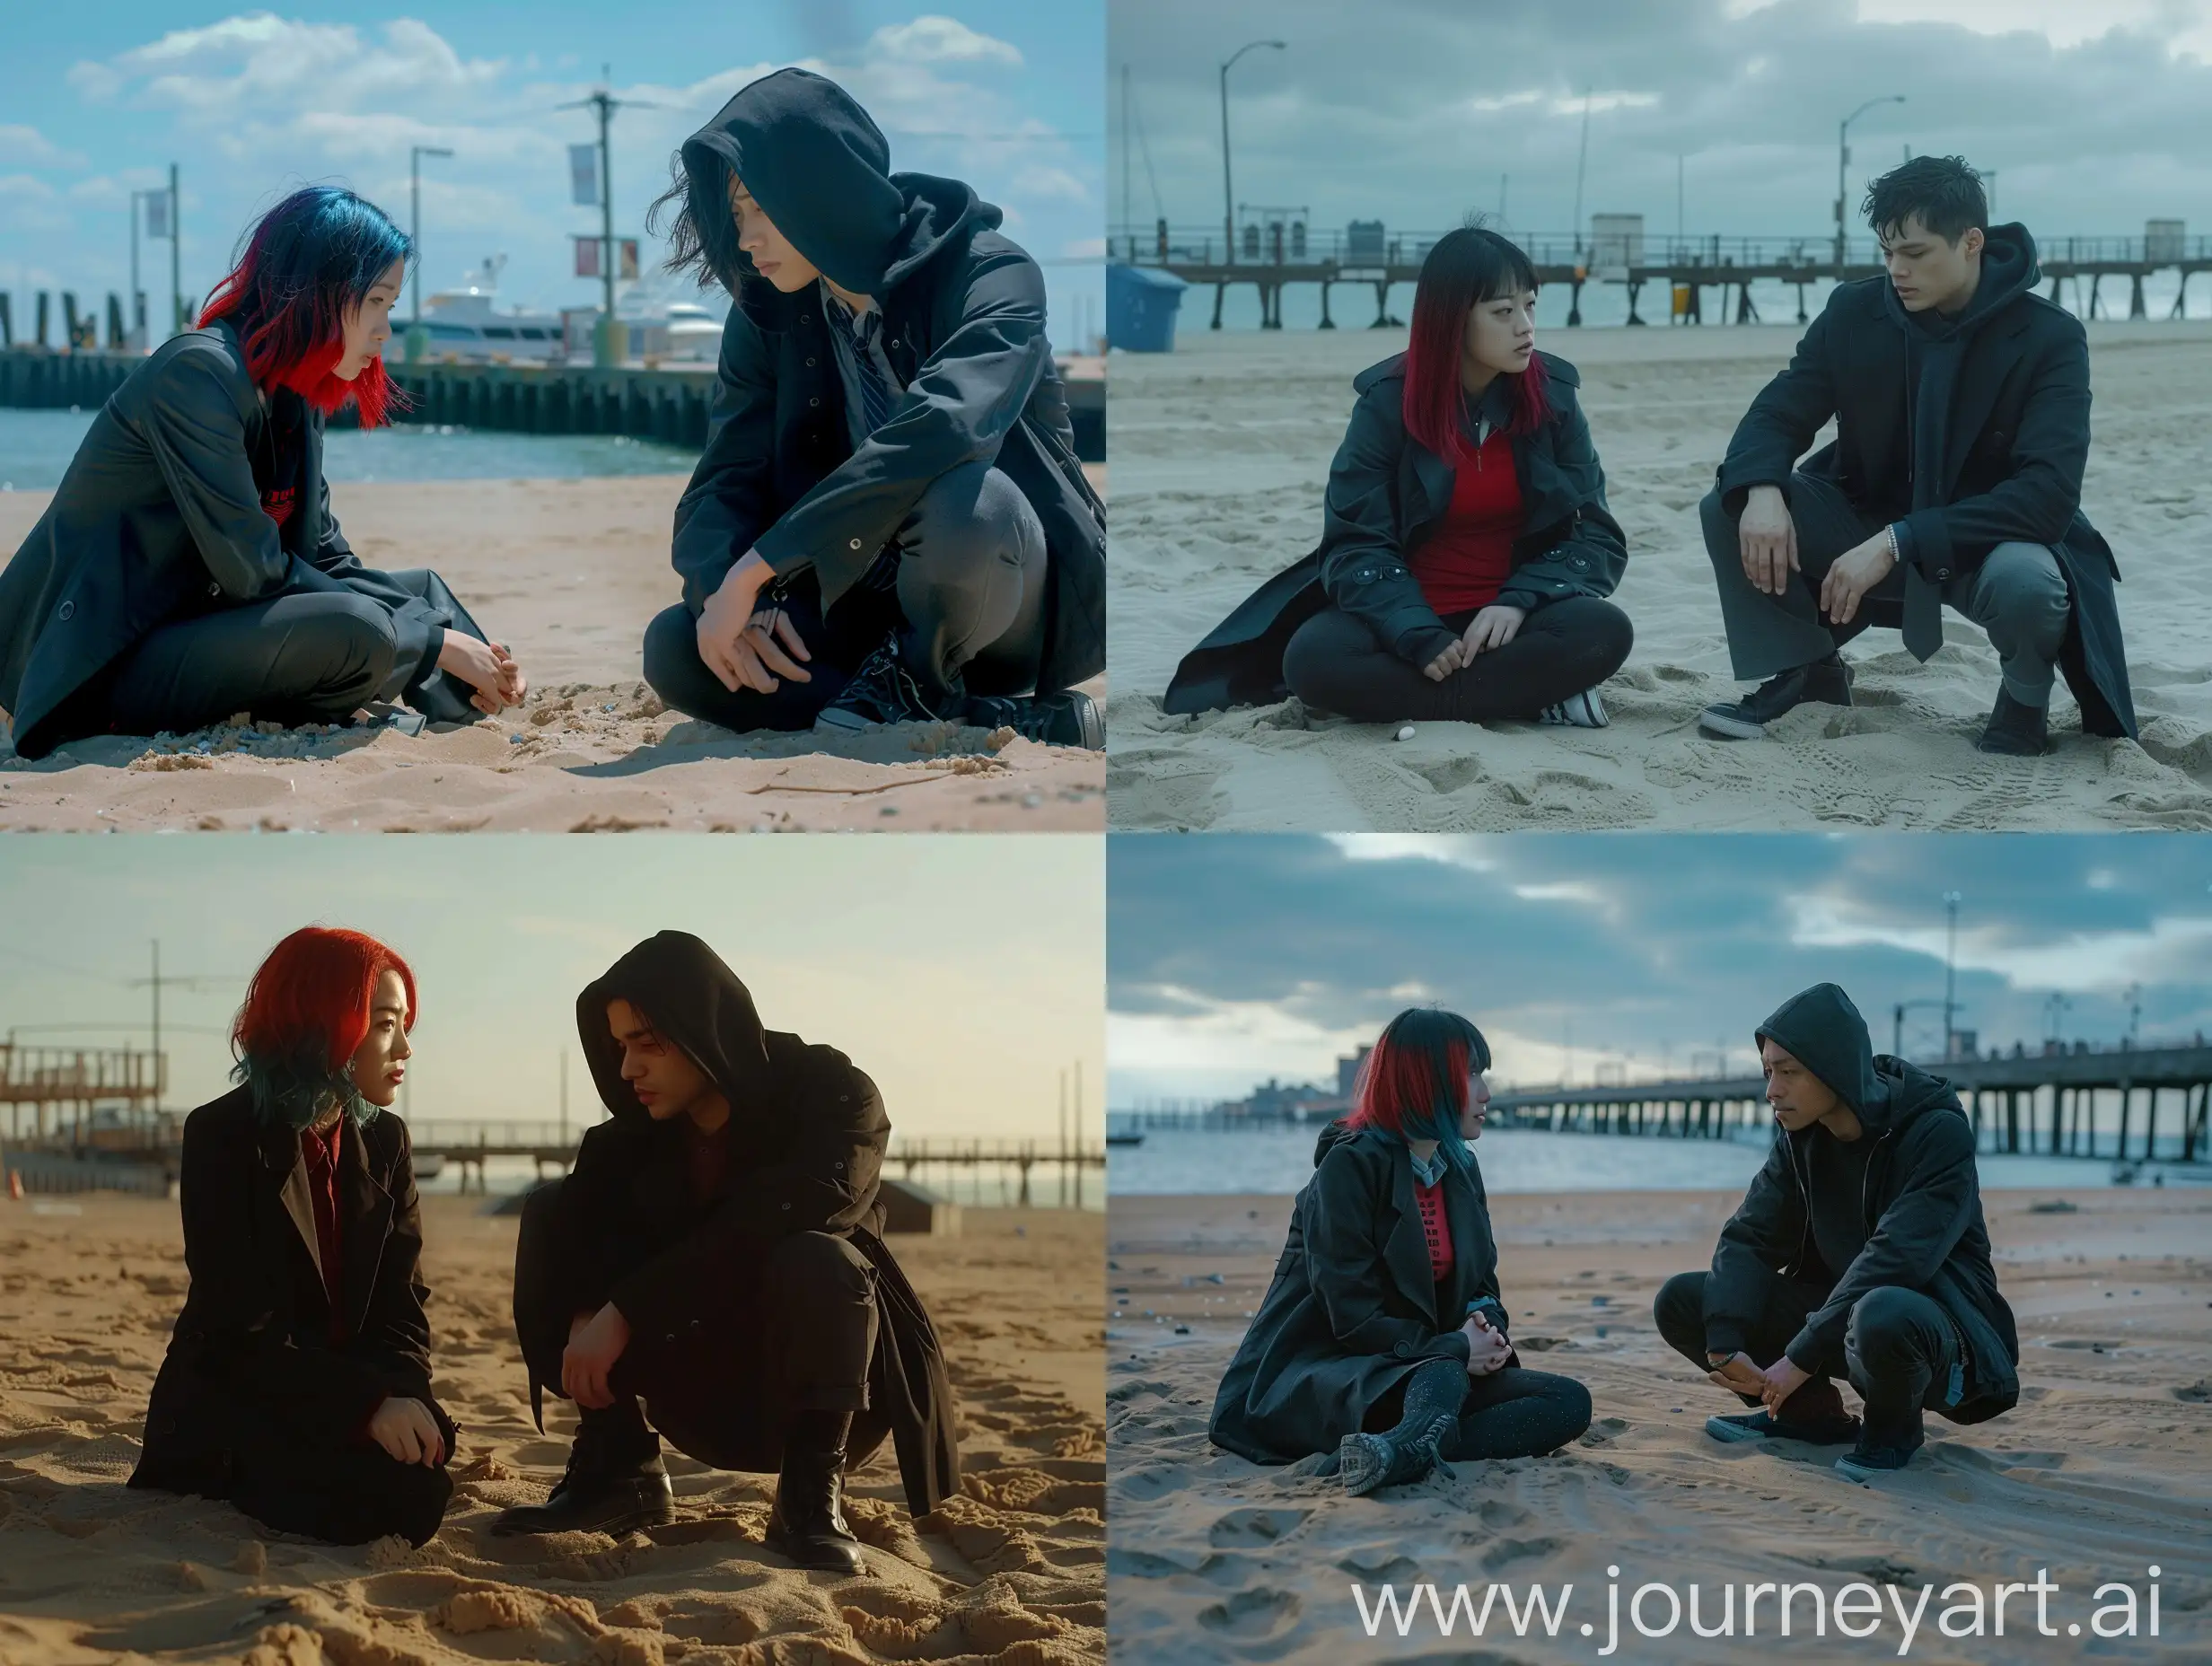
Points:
x=808, y=1521
x=1067, y=719
x=1828, y=680
x=883, y=690
x=615, y=1481
x=2016, y=730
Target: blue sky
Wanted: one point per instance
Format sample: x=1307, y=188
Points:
x=2095, y=116
x=1232, y=958
x=961, y=971
x=96, y=102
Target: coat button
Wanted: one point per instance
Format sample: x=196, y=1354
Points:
x=856, y=545
x=670, y=1337
x=1942, y=572
x=810, y=363
x=814, y=401
x=215, y=589
x=837, y=1165
x=69, y=609
x=786, y=1208
x=1404, y=1350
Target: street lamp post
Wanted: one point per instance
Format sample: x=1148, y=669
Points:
x=1950, y=966
x=417, y=337
x=1228, y=195
x=1843, y=160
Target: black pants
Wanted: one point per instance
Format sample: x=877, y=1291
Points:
x=344, y=1494
x=967, y=603
x=795, y=1334
x=1335, y=664
x=1508, y=1414
x=1901, y=1351
x=304, y=657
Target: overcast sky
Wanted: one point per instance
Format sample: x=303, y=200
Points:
x=961, y=971
x=1232, y=958
x=2096, y=114
x=97, y=102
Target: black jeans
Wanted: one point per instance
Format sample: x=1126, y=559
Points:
x=796, y=1333
x=1901, y=1351
x=343, y=1495
x=967, y=603
x=1335, y=664
x=1508, y=1414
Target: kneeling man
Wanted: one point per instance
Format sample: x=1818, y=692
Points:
x=1960, y=400
x=1859, y=1250
x=714, y=1254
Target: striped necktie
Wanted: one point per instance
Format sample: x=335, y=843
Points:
x=875, y=401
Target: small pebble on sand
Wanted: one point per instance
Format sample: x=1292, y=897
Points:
x=1405, y=733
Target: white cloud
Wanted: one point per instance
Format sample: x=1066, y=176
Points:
x=2169, y=950
x=25, y=186
x=940, y=41
x=1467, y=853
x=1041, y=182
x=21, y=143
x=2185, y=25
x=1083, y=248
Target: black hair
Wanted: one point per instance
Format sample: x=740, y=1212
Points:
x=1942, y=191
x=702, y=235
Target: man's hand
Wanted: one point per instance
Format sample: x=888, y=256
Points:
x=1767, y=539
x=406, y=1429
x=487, y=668
x=1739, y=1375
x=1487, y=1349
x=591, y=1352
x=1855, y=572
x=1493, y=628
x=1781, y=1379
x=723, y=623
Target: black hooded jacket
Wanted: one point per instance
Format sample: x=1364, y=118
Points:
x=1921, y=1204
x=963, y=314
x=1353, y=1309
x=806, y=1133
x=1972, y=432
x=1387, y=494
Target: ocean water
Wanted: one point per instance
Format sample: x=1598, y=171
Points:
x=1276, y=1162
x=36, y=447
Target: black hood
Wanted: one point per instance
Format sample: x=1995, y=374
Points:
x=1824, y=1032
x=1333, y=1135
x=820, y=168
x=693, y=1000
x=2008, y=270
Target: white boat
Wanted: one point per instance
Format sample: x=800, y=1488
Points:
x=465, y=323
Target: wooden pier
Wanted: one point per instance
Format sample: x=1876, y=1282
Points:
x=1279, y=258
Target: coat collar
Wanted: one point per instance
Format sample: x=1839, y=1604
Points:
x=364, y=1210
x=1405, y=1246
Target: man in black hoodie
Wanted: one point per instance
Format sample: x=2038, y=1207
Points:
x=1859, y=1250
x=889, y=523
x=1961, y=403
x=715, y=1253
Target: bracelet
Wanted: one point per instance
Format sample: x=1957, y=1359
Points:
x=1895, y=554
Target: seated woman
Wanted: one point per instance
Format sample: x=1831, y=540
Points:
x=1466, y=549
x=297, y=1383
x=1382, y=1340
x=189, y=569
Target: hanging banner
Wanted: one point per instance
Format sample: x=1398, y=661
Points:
x=627, y=271
x=587, y=257
x=583, y=175
x=157, y=214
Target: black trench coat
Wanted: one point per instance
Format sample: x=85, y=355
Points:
x=1352, y=1310
x=2015, y=445
x=1387, y=493
x=159, y=517
x=807, y=1133
x=250, y=1363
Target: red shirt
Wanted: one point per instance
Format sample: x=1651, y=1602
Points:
x=321, y=1152
x=1467, y=559
x=277, y=503
x=1435, y=1228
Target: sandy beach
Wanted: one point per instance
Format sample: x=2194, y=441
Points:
x=2103, y=1469
x=1008, y=1570
x=567, y=573
x=1222, y=452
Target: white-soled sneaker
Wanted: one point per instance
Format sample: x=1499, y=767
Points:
x=1578, y=711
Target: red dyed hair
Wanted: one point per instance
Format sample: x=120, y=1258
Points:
x=309, y=262
x=1465, y=268
x=1413, y=1083
x=317, y=982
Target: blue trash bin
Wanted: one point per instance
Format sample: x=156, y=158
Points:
x=1141, y=304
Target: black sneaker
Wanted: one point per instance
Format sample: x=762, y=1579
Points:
x=597, y=1494
x=1366, y=1461
x=881, y=691
x=2016, y=730
x=1067, y=719
x=1827, y=680
x=1761, y=1426
x=1865, y=1461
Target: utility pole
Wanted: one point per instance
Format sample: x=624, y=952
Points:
x=1079, y=1131
x=177, y=325
x=1951, y=965
x=138, y=295
x=564, y=1097
x=158, y=1072
x=1843, y=159
x=1228, y=195
x=417, y=339
x=1126, y=224
x=606, y=347
x=1581, y=163
x=1064, y=1097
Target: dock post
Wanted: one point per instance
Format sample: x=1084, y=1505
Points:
x=2135, y=297
x=1574, y=305
x=1326, y=322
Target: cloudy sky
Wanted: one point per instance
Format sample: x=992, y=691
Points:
x=961, y=971
x=1234, y=958
x=97, y=102
x=2095, y=116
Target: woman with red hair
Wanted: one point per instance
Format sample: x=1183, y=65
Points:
x=1381, y=1342
x=189, y=569
x=1467, y=551
x=297, y=1382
